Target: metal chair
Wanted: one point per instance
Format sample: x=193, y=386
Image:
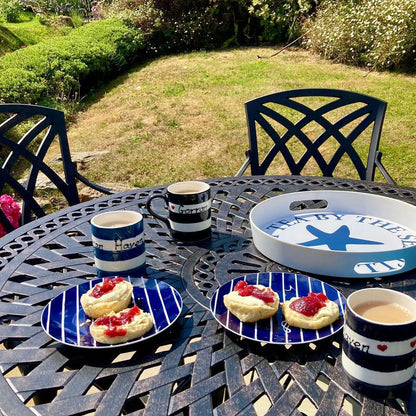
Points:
x=353, y=114
x=26, y=134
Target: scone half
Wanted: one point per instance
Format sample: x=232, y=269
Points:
x=114, y=300
x=250, y=308
x=126, y=325
x=325, y=315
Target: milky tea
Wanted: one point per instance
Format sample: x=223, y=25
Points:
x=384, y=312
x=115, y=223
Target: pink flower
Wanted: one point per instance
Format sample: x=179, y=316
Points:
x=11, y=210
x=23, y=46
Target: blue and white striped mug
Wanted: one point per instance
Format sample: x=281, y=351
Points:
x=118, y=241
x=189, y=210
x=379, y=345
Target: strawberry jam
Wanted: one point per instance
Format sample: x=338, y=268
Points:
x=309, y=305
x=105, y=287
x=244, y=289
x=114, y=323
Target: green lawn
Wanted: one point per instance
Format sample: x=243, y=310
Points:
x=182, y=117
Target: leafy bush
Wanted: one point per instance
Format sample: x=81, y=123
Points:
x=20, y=86
x=281, y=19
x=194, y=24
x=169, y=26
x=139, y=13
x=64, y=67
x=59, y=7
x=10, y=10
x=374, y=33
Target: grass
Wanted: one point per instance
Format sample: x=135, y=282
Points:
x=182, y=117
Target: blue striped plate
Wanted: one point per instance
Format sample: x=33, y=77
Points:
x=64, y=320
x=275, y=330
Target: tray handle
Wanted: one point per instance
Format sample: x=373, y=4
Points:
x=308, y=204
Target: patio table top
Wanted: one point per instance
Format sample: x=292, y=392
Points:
x=195, y=367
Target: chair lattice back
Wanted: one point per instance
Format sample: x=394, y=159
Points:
x=26, y=134
x=356, y=113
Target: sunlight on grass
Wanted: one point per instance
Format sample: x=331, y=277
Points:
x=182, y=117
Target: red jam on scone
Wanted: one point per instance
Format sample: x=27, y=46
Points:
x=310, y=312
x=251, y=303
x=309, y=305
x=110, y=295
x=244, y=289
x=121, y=327
x=107, y=286
x=116, y=323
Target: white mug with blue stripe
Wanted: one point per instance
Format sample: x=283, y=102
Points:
x=379, y=345
x=189, y=210
x=118, y=241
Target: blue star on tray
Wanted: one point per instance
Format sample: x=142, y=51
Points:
x=338, y=240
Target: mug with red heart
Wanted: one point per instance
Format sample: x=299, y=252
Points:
x=188, y=210
x=379, y=345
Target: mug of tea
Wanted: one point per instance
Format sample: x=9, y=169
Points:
x=118, y=242
x=379, y=345
x=189, y=210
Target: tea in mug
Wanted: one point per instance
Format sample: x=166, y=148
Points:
x=115, y=224
x=188, y=191
x=384, y=312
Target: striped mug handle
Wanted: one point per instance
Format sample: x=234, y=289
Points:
x=155, y=214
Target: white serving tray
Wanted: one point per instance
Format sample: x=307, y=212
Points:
x=355, y=235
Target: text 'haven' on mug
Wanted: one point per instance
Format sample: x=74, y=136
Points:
x=118, y=241
x=189, y=210
x=379, y=345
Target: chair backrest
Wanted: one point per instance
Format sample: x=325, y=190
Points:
x=338, y=117
x=26, y=134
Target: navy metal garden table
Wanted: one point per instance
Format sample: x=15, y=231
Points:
x=195, y=367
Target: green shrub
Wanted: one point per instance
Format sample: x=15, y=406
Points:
x=169, y=26
x=374, y=33
x=205, y=24
x=65, y=67
x=59, y=7
x=10, y=10
x=281, y=19
x=20, y=86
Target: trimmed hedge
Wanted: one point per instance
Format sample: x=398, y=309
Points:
x=62, y=68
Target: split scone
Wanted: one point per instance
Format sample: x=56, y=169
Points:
x=112, y=295
x=131, y=323
x=310, y=312
x=251, y=303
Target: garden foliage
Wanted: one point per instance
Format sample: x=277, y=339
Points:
x=65, y=67
x=10, y=10
x=195, y=24
x=374, y=33
x=58, y=7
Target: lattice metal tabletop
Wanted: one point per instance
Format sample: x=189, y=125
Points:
x=195, y=367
